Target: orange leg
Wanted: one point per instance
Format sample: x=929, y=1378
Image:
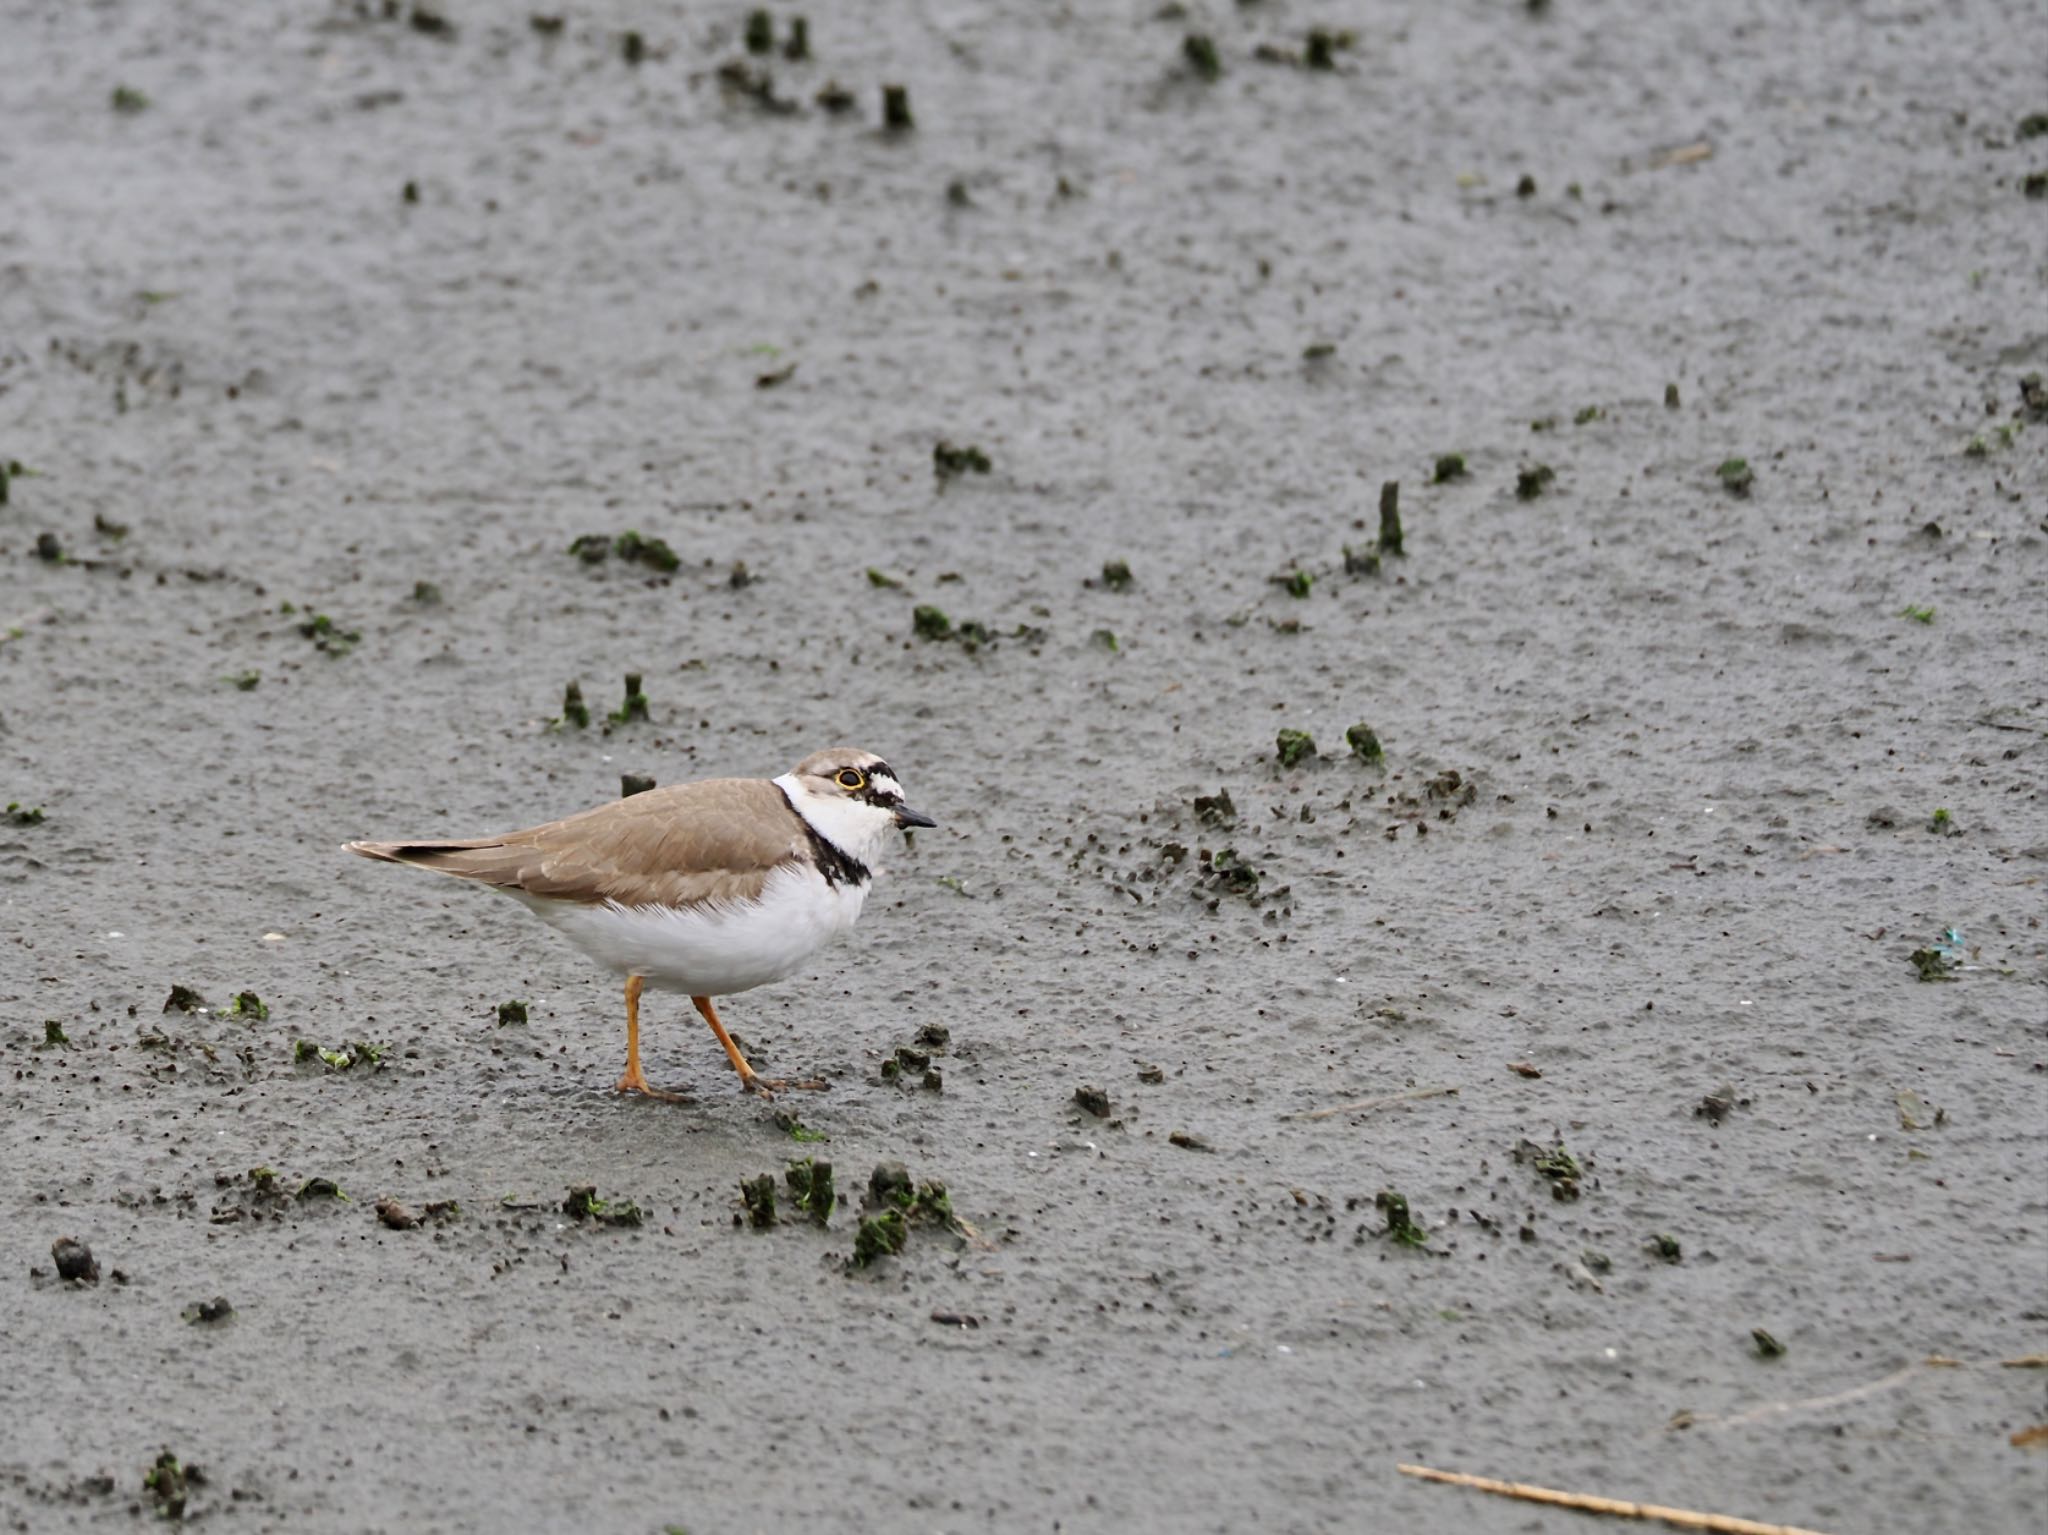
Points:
x=749, y=1078
x=634, y=1081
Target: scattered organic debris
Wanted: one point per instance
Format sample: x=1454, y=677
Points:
x=1105, y=639
x=183, y=999
x=760, y=33
x=1767, y=1347
x=1188, y=1141
x=1092, y=1100
x=797, y=47
x=426, y=594
x=1591, y=1503
x=591, y=548
x=1587, y=414
x=803, y=1134
x=53, y=1033
x=326, y=637
x=1293, y=746
x=1665, y=1247
x=882, y=579
x=167, y=1483
x=128, y=100
x=949, y=461
x=931, y=623
x=835, y=98
x=1400, y=1225
x=757, y=1196
x=1556, y=1164
x=634, y=706
x=18, y=814
x=75, y=1261
x=1449, y=466
x=651, y=552
x=1199, y=50
x=218, y=1309
x=1919, y=614
x=344, y=1057
x=880, y=1236
x=1361, y=562
x=1526, y=1069
x=1390, y=515
x=896, y=116
x=511, y=1012
x=631, y=784
x=244, y=681
x=1942, y=823
x=50, y=550
x=1296, y=582
x=1230, y=874
x=247, y=1004
x=755, y=85
x=1736, y=476
x=575, y=712
x=2033, y=399
x=740, y=577
x=775, y=378
x=1116, y=575
x=583, y=1204
x=1671, y=397
x=1216, y=809
x=1533, y=481
x=810, y=1186
x=319, y=1188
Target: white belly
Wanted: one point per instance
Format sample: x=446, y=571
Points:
x=709, y=951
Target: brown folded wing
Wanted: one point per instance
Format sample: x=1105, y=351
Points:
x=713, y=841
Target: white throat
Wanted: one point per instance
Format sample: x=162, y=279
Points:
x=856, y=828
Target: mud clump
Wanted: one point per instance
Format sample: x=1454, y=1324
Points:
x=1092, y=1100
x=183, y=999
x=75, y=1262
x=880, y=1236
x=1293, y=746
x=1365, y=744
x=950, y=462
x=218, y=1309
x=810, y=1188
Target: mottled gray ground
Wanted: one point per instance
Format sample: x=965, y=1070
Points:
x=1699, y=747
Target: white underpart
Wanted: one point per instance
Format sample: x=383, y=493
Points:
x=710, y=951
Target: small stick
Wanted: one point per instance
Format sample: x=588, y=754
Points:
x=1686, y=1519
x=1378, y=1103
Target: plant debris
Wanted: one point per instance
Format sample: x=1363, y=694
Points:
x=1736, y=476
x=1116, y=575
x=880, y=1236
x=1390, y=515
x=948, y=462
x=810, y=1186
x=167, y=1483
x=247, y=1004
x=1767, y=1347
x=1665, y=1247
x=583, y=1204
x=575, y=712
x=634, y=706
x=651, y=552
x=896, y=115
x=1533, y=481
x=1449, y=466
x=218, y=1309
x=1199, y=50
x=53, y=1033
x=1400, y=1225
x=327, y=637
x=1365, y=745
x=757, y=1197
x=1092, y=1100
x=1230, y=874
x=511, y=1012
x=319, y=1188
x=930, y=623
x=343, y=1057
x=183, y=999
x=1293, y=746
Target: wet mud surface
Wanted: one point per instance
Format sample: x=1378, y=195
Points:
x=1556, y=1097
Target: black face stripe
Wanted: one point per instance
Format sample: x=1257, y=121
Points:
x=837, y=865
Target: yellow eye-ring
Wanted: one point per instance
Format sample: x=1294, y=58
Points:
x=851, y=778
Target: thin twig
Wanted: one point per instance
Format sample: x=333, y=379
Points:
x=1805, y=1404
x=1687, y=1519
x=1378, y=1103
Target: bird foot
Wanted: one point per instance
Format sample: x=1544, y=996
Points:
x=634, y=1082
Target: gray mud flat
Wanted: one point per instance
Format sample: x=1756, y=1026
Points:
x=328, y=305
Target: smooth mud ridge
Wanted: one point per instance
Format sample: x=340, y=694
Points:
x=1536, y=972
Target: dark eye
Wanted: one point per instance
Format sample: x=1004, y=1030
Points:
x=851, y=779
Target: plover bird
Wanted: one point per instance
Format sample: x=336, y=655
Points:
x=702, y=888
